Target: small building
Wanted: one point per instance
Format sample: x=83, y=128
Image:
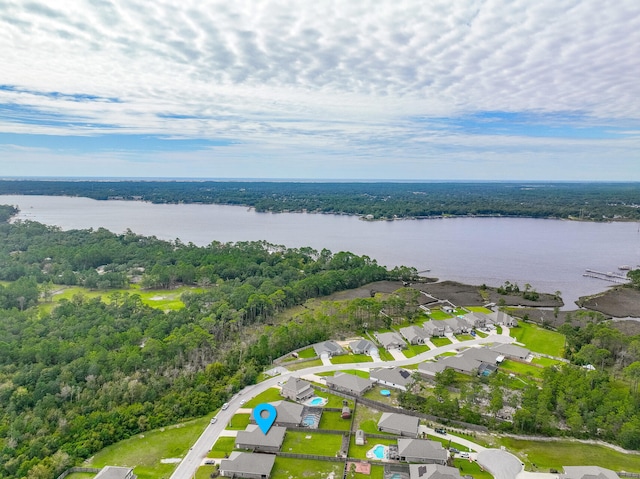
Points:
x=328, y=349
x=346, y=412
x=297, y=389
x=588, y=472
x=364, y=346
x=415, y=334
x=391, y=340
x=422, y=451
x=349, y=383
x=397, y=378
x=360, y=438
x=433, y=471
x=247, y=465
x=115, y=472
x=512, y=351
x=289, y=414
x=253, y=439
x=401, y=424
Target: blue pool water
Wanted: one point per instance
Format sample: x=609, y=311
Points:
x=378, y=451
x=309, y=420
x=316, y=401
x=385, y=392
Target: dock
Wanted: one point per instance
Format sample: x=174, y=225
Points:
x=608, y=276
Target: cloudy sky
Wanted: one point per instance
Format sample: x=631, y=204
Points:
x=345, y=89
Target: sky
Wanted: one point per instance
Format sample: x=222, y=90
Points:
x=373, y=90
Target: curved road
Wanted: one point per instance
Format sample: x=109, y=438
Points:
x=188, y=466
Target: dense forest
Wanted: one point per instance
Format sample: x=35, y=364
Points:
x=580, y=201
x=91, y=372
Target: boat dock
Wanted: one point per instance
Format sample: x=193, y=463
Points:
x=609, y=276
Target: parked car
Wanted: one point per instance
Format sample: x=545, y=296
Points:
x=440, y=430
x=453, y=450
x=213, y=420
x=464, y=455
x=225, y=406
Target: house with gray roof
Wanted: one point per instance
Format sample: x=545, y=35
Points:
x=483, y=354
x=289, y=414
x=431, y=368
x=512, y=351
x=415, y=334
x=116, y=472
x=588, y=472
x=247, y=465
x=456, y=325
x=296, y=389
x=422, y=450
x=364, y=346
x=434, y=328
x=394, y=377
x=253, y=439
x=328, y=349
x=502, y=318
x=401, y=424
x=476, y=319
x=391, y=340
x=349, y=383
x=433, y=471
x=460, y=363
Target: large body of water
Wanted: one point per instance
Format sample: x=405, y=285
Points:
x=551, y=255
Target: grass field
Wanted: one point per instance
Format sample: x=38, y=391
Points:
x=81, y=475
x=521, y=369
x=204, y=472
x=377, y=472
x=334, y=401
x=555, y=454
x=144, y=452
x=464, y=337
x=305, y=364
x=351, y=358
x=239, y=422
x=538, y=339
x=312, y=442
x=478, y=309
x=307, y=353
x=286, y=468
x=223, y=446
x=332, y=420
x=415, y=349
x=439, y=314
x=467, y=468
x=439, y=342
x=270, y=395
x=360, y=452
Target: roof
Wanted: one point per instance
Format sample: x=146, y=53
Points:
x=431, y=367
x=588, y=472
x=485, y=355
x=512, y=350
x=362, y=345
x=500, y=317
x=287, y=412
x=330, y=347
x=399, y=422
x=113, y=472
x=475, y=317
x=433, y=471
x=254, y=436
x=421, y=448
x=431, y=326
x=349, y=381
x=398, y=376
x=296, y=385
x=414, y=331
x=246, y=462
x=390, y=339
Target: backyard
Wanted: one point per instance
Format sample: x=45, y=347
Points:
x=538, y=339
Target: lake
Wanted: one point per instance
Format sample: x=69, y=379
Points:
x=551, y=255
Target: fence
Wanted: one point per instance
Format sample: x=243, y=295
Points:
x=78, y=469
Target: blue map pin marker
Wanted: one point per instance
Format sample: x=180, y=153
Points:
x=264, y=423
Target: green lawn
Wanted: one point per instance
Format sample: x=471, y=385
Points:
x=480, y=334
x=204, y=472
x=355, y=372
x=81, y=475
x=239, y=422
x=286, y=468
x=304, y=364
x=439, y=342
x=467, y=468
x=555, y=454
x=439, y=314
x=223, y=447
x=351, y=358
x=521, y=369
x=270, y=395
x=538, y=339
x=334, y=401
x=447, y=442
x=464, y=337
x=385, y=355
x=307, y=353
x=332, y=420
x=478, y=309
x=415, y=349
x=377, y=472
x=360, y=452
x=374, y=394
x=145, y=451
x=546, y=362
x=312, y=442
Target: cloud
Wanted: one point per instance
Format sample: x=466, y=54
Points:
x=345, y=78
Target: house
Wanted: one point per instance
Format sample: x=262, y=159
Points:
x=456, y=325
x=328, y=349
x=433, y=471
x=391, y=340
x=431, y=368
x=588, y=472
x=458, y=363
x=502, y=318
x=434, y=328
x=394, y=377
x=400, y=424
x=476, y=319
x=253, y=439
x=289, y=414
x=296, y=389
x=415, y=334
x=485, y=355
x=422, y=450
x=512, y=351
x=247, y=465
x=115, y=472
x=364, y=346
x=349, y=383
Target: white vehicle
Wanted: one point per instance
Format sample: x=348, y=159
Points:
x=214, y=419
x=225, y=406
x=464, y=455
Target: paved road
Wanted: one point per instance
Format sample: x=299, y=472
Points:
x=194, y=458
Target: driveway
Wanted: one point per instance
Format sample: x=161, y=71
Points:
x=502, y=464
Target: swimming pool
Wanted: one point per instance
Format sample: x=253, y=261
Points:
x=378, y=452
x=309, y=420
x=385, y=392
x=316, y=401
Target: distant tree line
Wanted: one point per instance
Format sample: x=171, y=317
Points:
x=580, y=201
